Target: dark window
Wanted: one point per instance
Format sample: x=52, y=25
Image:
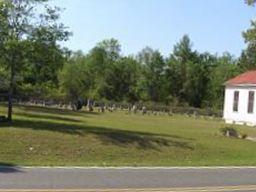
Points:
x=250, y=101
x=236, y=100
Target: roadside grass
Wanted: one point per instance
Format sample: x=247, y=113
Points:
x=54, y=137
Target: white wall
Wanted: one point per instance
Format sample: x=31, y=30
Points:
x=242, y=116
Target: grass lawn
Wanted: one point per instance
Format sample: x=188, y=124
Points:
x=47, y=136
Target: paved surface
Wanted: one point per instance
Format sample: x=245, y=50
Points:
x=127, y=179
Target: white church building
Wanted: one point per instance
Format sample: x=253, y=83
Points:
x=239, y=104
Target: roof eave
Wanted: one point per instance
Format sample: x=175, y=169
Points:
x=240, y=84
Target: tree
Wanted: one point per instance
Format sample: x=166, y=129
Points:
x=153, y=67
x=21, y=28
x=247, y=60
x=102, y=60
x=111, y=47
x=250, y=2
x=180, y=69
x=3, y=80
x=125, y=77
x=198, y=78
x=248, y=56
x=223, y=68
x=76, y=78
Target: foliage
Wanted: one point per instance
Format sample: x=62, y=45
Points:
x=28, y=42
x=221, y=69
x=250, y=2
x=103, y=74
x=153, y=69
x=34, y=65
x=248, y=57
x=75, y=78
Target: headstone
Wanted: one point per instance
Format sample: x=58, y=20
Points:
x=134, y=108
x=144, y=110
x=90, y=105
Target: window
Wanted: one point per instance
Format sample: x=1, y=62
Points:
x=250, y=101
x=235, y=101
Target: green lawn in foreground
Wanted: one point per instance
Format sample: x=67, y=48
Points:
x=45, y=136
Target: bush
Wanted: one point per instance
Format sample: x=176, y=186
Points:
x=229, y=132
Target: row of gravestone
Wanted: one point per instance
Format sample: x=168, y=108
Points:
x=131, y=108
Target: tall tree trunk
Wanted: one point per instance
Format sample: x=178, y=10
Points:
x=10, y=95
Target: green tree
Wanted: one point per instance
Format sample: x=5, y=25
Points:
x=180, y=69
x=76, y=78
x=102, y=60
x=125, y=75
x=198, y=78
x=250, y=2
x=153, y=68
x=248, y=56
x=112, y=48
x=247, y=60
x=21, y=25
x=224, y=68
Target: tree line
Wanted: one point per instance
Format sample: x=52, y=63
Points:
x=34, y=65
x=186, y=77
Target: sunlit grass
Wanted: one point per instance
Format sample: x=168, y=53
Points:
x=48, y=136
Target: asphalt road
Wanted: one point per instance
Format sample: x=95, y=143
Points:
x=128, y=179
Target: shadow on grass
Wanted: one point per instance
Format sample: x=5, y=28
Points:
x=124, y=138
x=8, y=168
x=47, y=117
x=51, y=110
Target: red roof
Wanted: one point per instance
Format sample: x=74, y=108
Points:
x=245, y=78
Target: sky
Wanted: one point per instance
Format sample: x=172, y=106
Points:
x=213, y=25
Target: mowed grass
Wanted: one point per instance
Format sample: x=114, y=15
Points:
x=48, y=136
